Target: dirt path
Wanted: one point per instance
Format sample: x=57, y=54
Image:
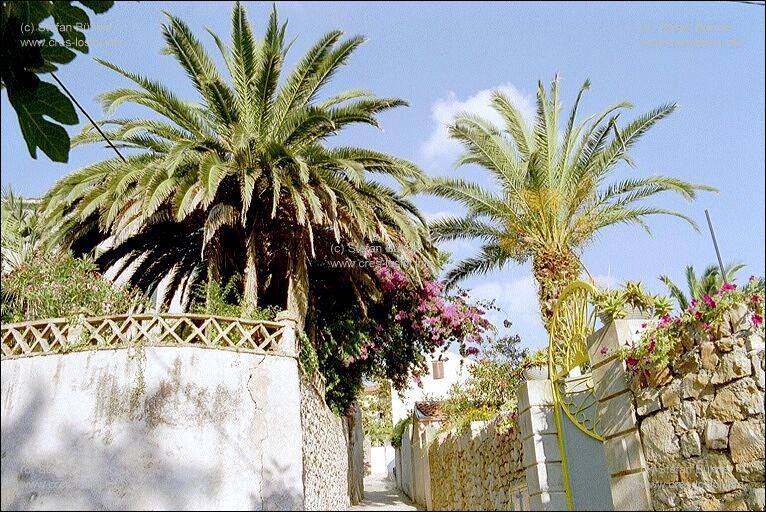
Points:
x=380, y=493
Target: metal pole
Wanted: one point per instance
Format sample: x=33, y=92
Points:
x=715, y=244
x=95, y=125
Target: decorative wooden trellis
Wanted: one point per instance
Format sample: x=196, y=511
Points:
x=61, y=335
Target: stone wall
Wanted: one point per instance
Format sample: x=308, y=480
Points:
x=474, y=470
x=325, y=453
x=356, y=468
x=703, y=432
x=173, y=428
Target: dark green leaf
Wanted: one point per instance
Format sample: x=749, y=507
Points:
x=69, y=19
x=31, y=106
x=57, y=53
x=31, y=12
x=98, y=7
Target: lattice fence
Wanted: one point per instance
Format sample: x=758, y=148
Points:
x=61, y=335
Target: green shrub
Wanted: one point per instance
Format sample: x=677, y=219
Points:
x=398, y=431
x=307, y=354
x=62, y=286
x=211, y=298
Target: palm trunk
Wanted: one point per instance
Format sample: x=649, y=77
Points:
x=250, y=294
x=213, y=275
x=553, y=271
x=298, y=284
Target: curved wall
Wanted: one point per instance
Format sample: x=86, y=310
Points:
x=152, y=428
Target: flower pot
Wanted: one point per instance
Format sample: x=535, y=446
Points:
x=537, y=372
x=634, y=313
x=631, y=313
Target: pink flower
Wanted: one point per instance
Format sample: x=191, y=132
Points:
x=706, y=326
x=693, y=304
x=632, y=361
x=726, y=288
x=400, y=315
x=755, y=299
x=604, y=350
x=757, y=319
x=709, y=302
x=651, y=346
x=471, y=351
x=643, y=325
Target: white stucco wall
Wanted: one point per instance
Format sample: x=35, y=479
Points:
x=422, y=435
x=382, y=460
x=158, y=428
x=455, y=370
x=404, y=463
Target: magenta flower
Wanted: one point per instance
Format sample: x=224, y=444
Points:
x=632, y=361
x=604, y=350
x=706, y=326
x=757, y=319
x=651, y=346
x=755, y=299
x=727, y=287
x=709, y=302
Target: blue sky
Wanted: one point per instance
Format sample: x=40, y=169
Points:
x=445, y=57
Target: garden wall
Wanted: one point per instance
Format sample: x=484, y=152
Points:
x=404, y=463
x=153, y=428
x=325, y=453
x=475, y=469
x=703, y=431
x=356, y=468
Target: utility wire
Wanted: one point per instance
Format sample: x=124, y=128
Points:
x=71, y=97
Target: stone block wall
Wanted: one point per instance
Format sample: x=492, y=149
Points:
x=325, y=453
x=703, y=431
x=475, y=469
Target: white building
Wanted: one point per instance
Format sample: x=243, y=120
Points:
x=444, y=371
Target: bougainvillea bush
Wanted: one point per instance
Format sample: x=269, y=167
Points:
x=702, y=320
x=386, y=335
x=59, y=285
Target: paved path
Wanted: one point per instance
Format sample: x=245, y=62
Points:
x=380, y=493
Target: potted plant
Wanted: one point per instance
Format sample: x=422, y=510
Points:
x=610, y=306
x=638, y=303
x=632, y=302
x=535, y=366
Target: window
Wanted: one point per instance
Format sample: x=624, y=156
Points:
x=438, y=369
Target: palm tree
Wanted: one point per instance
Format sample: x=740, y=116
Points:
x=553, y=194
x=243, y=171
x=699, y=286
x=20, y=238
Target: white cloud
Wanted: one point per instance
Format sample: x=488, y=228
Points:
x=444, y=111
x=517, y=300
x=434, y=216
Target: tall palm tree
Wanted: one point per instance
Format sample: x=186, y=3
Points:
x=553, y=191
x=244, y=170
x=708, y=283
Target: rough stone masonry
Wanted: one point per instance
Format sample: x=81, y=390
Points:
x=703, y=432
